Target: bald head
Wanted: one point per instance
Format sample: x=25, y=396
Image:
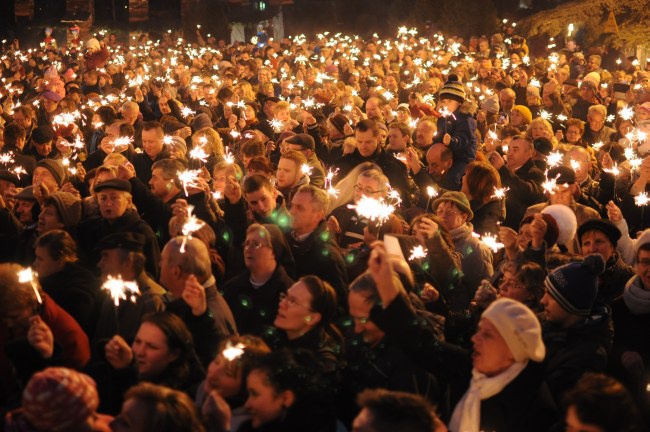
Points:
x=439, y=160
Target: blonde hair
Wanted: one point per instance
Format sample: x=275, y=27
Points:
x=214, y=142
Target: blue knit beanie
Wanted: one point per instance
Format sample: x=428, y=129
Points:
x=575, y=285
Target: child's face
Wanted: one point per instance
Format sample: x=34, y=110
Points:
x=451, y=104
x=282, y=115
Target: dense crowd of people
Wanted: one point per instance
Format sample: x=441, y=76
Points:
x=419, y=233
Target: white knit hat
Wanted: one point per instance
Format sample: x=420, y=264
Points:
x=643, y=239
x=519, y=327
x=566, y=222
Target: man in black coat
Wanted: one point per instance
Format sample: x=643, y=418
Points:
x=314, y=248
x=578, y=332
x=519, y=175
x=368, y=150
x=153, y=150
x=117, y=215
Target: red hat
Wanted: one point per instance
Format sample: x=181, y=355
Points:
x=58, y=399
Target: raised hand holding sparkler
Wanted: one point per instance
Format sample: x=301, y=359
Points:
x=40, y=337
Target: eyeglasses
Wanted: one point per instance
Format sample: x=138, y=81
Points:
x=253, y=244
x=443, y=212
x=644, y=263
x=292, y=301
x=367, y=191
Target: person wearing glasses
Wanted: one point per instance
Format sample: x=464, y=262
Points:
x=455, y=214
x=351, y=229
x=305, y=320
x=254, y=294
x=595, y=130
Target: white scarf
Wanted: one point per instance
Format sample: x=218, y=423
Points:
x=467, y=414
x=636, y=298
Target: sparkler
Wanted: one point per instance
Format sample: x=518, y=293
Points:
x=187, y=111
x=121, y=143
x=554, y=159
x=373, y=209
x=229, y=158
x=418, y=252
x=626, y=113
x=277, y=125
x=500, y=193
x=491, y=242
x=642, y=199
x=306, y=169
x=167, y=139
x=233, y=352
x=18, y=170
x=199, y=153
x=119, y=289
x=575, y=165
x=191, y=225
x=27, y=275
x=189, y=178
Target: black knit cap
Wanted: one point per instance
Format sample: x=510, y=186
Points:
x=606, y=227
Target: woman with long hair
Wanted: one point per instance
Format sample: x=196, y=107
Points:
x=480, y=184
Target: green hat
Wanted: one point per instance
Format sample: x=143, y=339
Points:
x=457, y=198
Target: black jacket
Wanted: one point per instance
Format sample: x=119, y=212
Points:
x=523, y=405
x=254, y=308
x=570, y=352
x=525, y=189
x=94, y=229
x=488, y=216
x=319, y=255
x=76, y=290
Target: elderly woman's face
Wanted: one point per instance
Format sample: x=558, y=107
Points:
x=491, y=353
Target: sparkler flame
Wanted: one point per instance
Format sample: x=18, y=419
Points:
x=27, y=275
x=233, y=352
x=500, y=193
x=491, y=241
x=642, y=199
x=372, y=209
x=119, y=289
x=418, y=252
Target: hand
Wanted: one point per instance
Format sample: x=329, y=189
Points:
x=425, y=229
x=446, y=139
x=194, y=296
x=607, y=162
x=216, y=412
x=241, y=123
x=496, y=160
x=41, y=192
x=429, y=294
x=485, y=294
x=333, y=225
x=308, y=119
x=232, y=191
x=81, y=171
x=40, y=337
x=614, y=213
x=412, y=160
x=184, y=132
x=179, y=208
x=523, y=78
x=126, y=171
x=68, y=187
x=118, y=353
x=508, y=237
x=232, y=121
x=537, y=230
